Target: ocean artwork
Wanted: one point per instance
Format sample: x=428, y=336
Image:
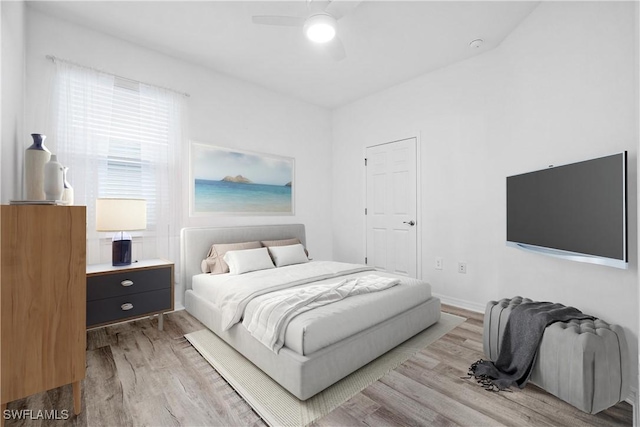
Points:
x=233, y=181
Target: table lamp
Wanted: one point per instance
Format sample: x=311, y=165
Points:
x=121, y=215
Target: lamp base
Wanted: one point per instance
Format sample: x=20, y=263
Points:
x=121, y=252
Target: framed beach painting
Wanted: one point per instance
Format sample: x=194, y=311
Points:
x=232, y=181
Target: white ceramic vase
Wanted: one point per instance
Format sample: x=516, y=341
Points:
x=35, y=157
x=53, y=182
x=67, y=192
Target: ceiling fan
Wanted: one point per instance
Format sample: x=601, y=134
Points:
x=320, y=25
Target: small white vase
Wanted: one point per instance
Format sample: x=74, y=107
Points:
x=53, y=183
x=35, y=157
x=67, y=192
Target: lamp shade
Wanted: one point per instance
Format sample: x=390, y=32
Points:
x=121, y=214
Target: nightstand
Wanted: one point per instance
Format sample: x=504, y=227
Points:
x=116, y=294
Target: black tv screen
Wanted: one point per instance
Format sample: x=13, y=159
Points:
x=578, y=211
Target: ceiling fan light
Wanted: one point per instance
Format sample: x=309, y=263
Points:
x=320, y=28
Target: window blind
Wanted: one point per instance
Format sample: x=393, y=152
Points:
x=120, y=139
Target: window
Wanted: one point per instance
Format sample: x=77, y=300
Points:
x=137, y=157
x=120, y=138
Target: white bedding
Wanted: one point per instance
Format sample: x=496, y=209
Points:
x=322, y=326
x=267, y=316
x=232, y=293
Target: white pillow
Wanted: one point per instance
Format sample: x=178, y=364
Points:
x=288, y=255
x=248, y=260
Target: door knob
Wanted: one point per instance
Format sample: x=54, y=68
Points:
x=411, y=223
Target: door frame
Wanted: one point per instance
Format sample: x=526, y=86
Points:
x=419, y=230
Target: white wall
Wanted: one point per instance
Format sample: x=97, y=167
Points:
x=561, y=88
x=1, y=26
x=222, y=111
x=636, y=406
x=14, y=139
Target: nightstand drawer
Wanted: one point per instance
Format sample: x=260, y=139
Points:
x=124, y=307
x=128, y=282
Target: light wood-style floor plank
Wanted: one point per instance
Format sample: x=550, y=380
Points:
x=139, y=376
x=427, y=397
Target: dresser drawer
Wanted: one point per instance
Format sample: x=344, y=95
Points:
x=111, y=309
x=127, y=283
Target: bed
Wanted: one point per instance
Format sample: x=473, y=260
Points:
x=323, y=345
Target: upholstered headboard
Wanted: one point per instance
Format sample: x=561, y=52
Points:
x=195, y=242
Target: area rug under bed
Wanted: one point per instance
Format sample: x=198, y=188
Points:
x=277, y=406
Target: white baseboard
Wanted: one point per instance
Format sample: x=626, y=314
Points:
x=467, y=305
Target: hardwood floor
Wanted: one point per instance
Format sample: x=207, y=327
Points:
x=431, y=388
x=137, y=375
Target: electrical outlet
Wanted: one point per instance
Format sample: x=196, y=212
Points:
x=462, y=267
x=438, y=263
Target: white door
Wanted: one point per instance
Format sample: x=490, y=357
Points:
x=392, y=207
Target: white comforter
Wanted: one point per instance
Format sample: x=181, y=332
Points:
x=233, y=293
x=267, y=316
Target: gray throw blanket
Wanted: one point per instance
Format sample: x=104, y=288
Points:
x=519, y=347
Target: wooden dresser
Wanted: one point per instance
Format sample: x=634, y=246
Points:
x=42, y=300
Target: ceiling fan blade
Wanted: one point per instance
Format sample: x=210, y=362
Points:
x=283, y=21
x=335, y=48
x=316, y=6
x=340, y=8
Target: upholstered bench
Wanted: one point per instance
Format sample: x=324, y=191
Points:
x=583, y=362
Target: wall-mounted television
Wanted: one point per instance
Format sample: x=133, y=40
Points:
x=576, y=211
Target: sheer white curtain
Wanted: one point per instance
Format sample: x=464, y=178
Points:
x=121, y=139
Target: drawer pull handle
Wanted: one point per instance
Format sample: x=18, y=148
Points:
x=126, y=282
x=126, y=306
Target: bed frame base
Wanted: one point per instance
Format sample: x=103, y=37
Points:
x=305, y=376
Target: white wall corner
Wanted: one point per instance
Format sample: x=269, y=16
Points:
x=13, y=36
x=468, y=305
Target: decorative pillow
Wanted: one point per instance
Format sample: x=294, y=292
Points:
x=288, y=255
x=284, y=242
x=215, y=258
x=248, y=260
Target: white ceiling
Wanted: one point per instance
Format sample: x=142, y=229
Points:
x=387, y=42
